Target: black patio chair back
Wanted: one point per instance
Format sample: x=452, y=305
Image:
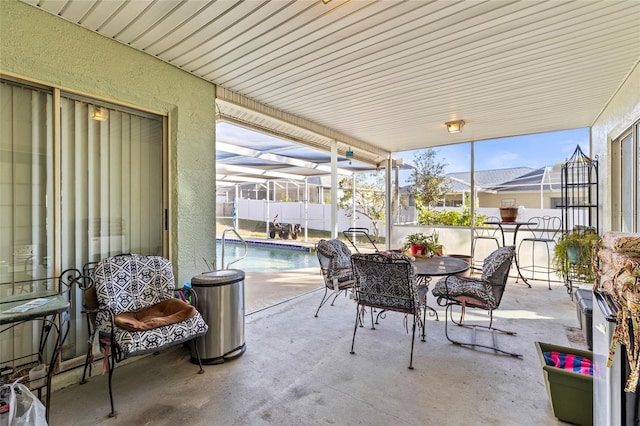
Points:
x=335, y=264
x=385, y=282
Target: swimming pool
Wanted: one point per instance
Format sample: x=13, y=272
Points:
x=265, y=258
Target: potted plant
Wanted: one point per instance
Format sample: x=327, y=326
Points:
x=508, y=214
x=422, y=244
x=433, y=246
x=572, y=253
x=415, y=243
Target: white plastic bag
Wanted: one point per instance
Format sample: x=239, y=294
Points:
x=25, y=409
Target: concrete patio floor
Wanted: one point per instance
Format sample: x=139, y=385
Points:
x=297, y=369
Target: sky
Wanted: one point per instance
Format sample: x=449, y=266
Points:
x=535, y=151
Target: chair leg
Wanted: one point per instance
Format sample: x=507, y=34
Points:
x=336, y=296
x=111, y=364
x=424, y=319
x=87, y=364
x=449, y=315
x=413, y=339
x=382, y=314
x=355, y=328
x=88, y=361
x=324, y=300
x=195, y=347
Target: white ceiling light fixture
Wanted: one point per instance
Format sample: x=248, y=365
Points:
x=454, y=126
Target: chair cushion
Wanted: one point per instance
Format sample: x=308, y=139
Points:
x=493, y=262
x=133, y=343
x=133, y=282
x=464, y=287
x=167, y=312
x=339, y=257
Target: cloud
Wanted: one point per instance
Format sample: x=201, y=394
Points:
x=501, y=160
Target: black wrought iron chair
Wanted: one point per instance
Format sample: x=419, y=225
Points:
x=137, y=312
x=487, y=233
x=484, y=292
x=335, y=263
x=385, y=282
x=544, y=231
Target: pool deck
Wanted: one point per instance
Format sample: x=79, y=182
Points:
x=265, y=289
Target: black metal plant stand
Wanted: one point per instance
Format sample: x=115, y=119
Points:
x=579, y=186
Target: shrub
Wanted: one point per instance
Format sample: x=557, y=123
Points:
x=447, y=217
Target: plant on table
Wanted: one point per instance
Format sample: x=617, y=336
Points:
x=423, y=244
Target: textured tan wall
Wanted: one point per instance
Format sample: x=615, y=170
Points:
x=527, y=199
x=619, y=115
x=39, y=46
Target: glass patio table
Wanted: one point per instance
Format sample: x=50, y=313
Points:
x=49, y=307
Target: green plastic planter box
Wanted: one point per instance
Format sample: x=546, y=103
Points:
x=570, y=393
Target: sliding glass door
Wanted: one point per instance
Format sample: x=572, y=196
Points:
x=99, y=169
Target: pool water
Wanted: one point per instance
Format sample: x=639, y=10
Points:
x=265, y=259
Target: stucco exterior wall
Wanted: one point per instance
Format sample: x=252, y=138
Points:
x=527, y=199
x=38, y=46
x=617, y=116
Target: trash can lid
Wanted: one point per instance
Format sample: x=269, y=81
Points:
x=219, y=277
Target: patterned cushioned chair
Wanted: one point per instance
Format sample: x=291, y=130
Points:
x=386, y=282
x=335, y=263
x=137, y=312
x=483, y=293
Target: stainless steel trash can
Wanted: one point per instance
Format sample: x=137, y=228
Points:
x=220, y=298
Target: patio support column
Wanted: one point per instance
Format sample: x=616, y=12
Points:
x=235, y=214
x=306, y=209
x=334, y=189
x=387, y=203
x=472, y=194
x=395, y=207
x=267, y=209
x=353, y=200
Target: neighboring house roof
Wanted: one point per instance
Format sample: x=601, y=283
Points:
x=546, y=178
x=460, y=182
